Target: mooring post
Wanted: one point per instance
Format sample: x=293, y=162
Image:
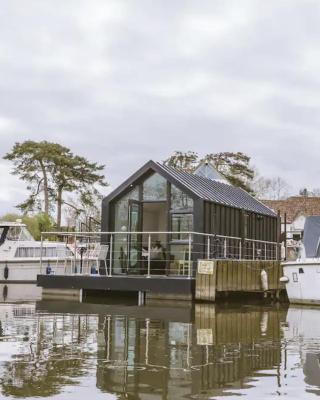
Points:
x=141, y=298
x=208, y=248
x=147, y=341
x=111, y=245
x=108, y=337
x=149, y=255
x=41, y=248
x=189, y=256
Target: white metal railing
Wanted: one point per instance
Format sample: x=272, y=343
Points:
x=153, y=253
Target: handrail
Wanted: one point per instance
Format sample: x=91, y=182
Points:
x=100, y=233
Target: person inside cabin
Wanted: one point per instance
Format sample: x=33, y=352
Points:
x=157, y=258
x=156, y=251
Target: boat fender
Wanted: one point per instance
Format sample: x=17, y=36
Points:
x=264, y=280
x=48, y=270
x=6, y=272
x=93, y=270
x=5, y=292
x=284, y=279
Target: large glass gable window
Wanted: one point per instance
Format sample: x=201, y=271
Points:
x=155, y=188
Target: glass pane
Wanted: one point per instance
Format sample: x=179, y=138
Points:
x=179, y=259
x=14, y=233
x=120, y=257
x=181, y=223
x=180, y=200
x=155, y=188
x=134, y=216
x=26, y=235
x=122, y=210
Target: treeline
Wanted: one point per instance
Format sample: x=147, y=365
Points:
x=237, y=169
x=56, y=178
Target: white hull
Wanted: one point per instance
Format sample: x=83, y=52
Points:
x=27, y=270
x=303, y=286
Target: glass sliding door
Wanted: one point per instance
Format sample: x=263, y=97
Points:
x=134, y=238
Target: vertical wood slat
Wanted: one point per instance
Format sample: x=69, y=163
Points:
x=240, y=276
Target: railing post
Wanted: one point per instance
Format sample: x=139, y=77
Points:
x=240, y=249
x=277, y=249
x=111, y=254
x=41, y=248
x=208, y=248
x=75, y=254
x=225, y=248
x=265, y=251
x=253, y=250
x=189, y=255
x=149, y=255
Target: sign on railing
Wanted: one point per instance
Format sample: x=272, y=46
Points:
x=206, y=267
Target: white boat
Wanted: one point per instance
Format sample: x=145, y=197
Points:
x=20, y=254
x=302, y=276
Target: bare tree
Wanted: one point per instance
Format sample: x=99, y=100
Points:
x=275, y=188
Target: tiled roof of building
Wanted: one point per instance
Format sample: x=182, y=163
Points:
x=295, y=206
x=218, y=192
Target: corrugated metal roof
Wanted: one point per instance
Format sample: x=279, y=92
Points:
x=218, y=192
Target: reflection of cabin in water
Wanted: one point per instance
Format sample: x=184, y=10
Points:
x=169, y=202
x=170, y=359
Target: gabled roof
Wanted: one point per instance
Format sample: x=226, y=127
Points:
x=218, y=192
x=208, y=171
x=198, y=187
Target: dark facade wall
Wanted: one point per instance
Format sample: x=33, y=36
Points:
x=229, y=221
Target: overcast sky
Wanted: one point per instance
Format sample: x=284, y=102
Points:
x=122, y=82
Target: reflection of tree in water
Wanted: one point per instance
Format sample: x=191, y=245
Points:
x=53, y=353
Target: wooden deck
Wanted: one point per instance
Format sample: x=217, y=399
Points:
x=227, y=277
x=168, y=286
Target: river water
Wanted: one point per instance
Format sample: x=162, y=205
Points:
x=65, y=350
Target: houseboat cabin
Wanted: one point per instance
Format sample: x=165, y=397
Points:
x=179, y=209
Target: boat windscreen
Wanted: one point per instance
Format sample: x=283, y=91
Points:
x=311, y=236
x=19, y=233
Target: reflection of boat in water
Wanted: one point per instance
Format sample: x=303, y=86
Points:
x=302, y=276
x=302, y=328
x=18, y=292
x=20, y=254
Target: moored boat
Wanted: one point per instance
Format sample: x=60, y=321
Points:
x=22, y=258
x=302, y=276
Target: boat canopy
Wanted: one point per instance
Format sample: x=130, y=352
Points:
x=15, y=232
x=311, y=236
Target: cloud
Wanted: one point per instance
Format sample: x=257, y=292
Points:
x=125, y=81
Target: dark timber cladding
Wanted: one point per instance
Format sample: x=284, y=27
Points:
x=217, y=207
